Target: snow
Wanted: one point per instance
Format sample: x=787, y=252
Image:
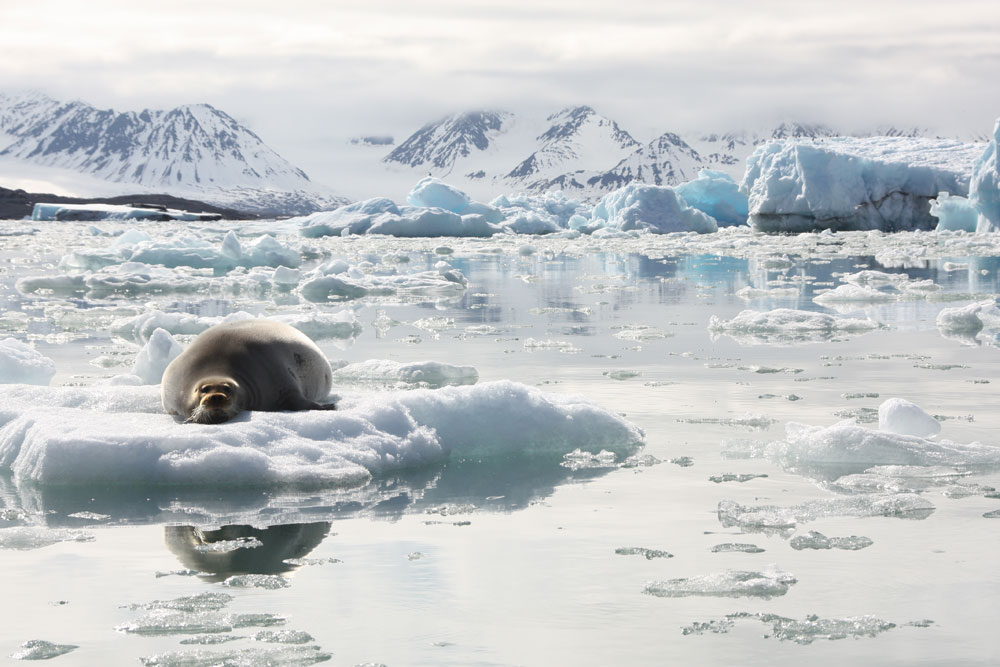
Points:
x=718, y=195
x=22, y=364
x=984, y=191
x=657, y=209
x=120, y=435
x=841, y=183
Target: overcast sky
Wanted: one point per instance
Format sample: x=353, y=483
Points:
x=305, y=75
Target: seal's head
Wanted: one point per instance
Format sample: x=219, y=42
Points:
x=214, y=401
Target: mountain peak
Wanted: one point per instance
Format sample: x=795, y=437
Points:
x=441, y=143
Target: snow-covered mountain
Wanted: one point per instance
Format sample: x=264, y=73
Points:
x=439, y=145
x=196, y=151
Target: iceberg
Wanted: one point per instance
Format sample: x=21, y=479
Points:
x=954, y=213
x=717, y=194
x=845, y=183
x=432, y=222
x=353, y=218
x=984, y=191
x=653, y=208
x=786, y=325
x=432, y=192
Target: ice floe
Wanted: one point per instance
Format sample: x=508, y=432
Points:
x=770, y=583
x=773, y=518
x=817, y=540
x=653, y=208
x=24, y=538
x=120, y=435
x=431, y=374
x=800, y=632
x=316, y=324
x=39, y=649
x=785, y=325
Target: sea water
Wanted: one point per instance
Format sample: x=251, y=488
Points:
x=706, y=547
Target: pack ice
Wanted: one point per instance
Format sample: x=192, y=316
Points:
x=846, y=183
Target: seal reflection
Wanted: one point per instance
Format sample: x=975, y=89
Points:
x=273, y=546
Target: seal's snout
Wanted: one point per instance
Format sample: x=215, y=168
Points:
x=217, y=400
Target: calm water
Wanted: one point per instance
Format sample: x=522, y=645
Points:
x=514, y=562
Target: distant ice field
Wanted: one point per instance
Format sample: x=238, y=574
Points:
x=723, y=448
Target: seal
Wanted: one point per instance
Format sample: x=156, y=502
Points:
x=246, y=365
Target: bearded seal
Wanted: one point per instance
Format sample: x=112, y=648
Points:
x=246, y=365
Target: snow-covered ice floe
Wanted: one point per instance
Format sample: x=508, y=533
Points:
x=970, y=323
x=120, y=435
x=787, y=325
x=842, y=183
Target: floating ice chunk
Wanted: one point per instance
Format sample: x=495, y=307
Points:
x=553, y=205
x=730, y=583
x=532, y=344
x=874, y=183
x=530, y=222
x=898, y=479
x=432, y=222
x=283, y=637
x=255, y=657
x=738, y=547
x=853, y=294
x=154, y=357
x=319, y=287
x=269, y=582
x=39, y=649
x=107, y=434
x=433, y=192
x=648, y=554
x=897, y=415
x=354, y=218
x=815, y=540
x=22, y=364
x=764, y=518
x=954, y=213
x=581, y=460
x=189, y=603
x=24, y=538
x=814, y=627
x=424, y=373
x=165, y=622
x=718, y=195
x=786, y=325
x=208, y=640
x=654, y=208
x=967, y=322
x=984, y=191
x=316, y=324
x=870, y=278
x=849, y=443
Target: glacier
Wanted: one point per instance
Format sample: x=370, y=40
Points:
x=717, y=194
x=853, y=184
